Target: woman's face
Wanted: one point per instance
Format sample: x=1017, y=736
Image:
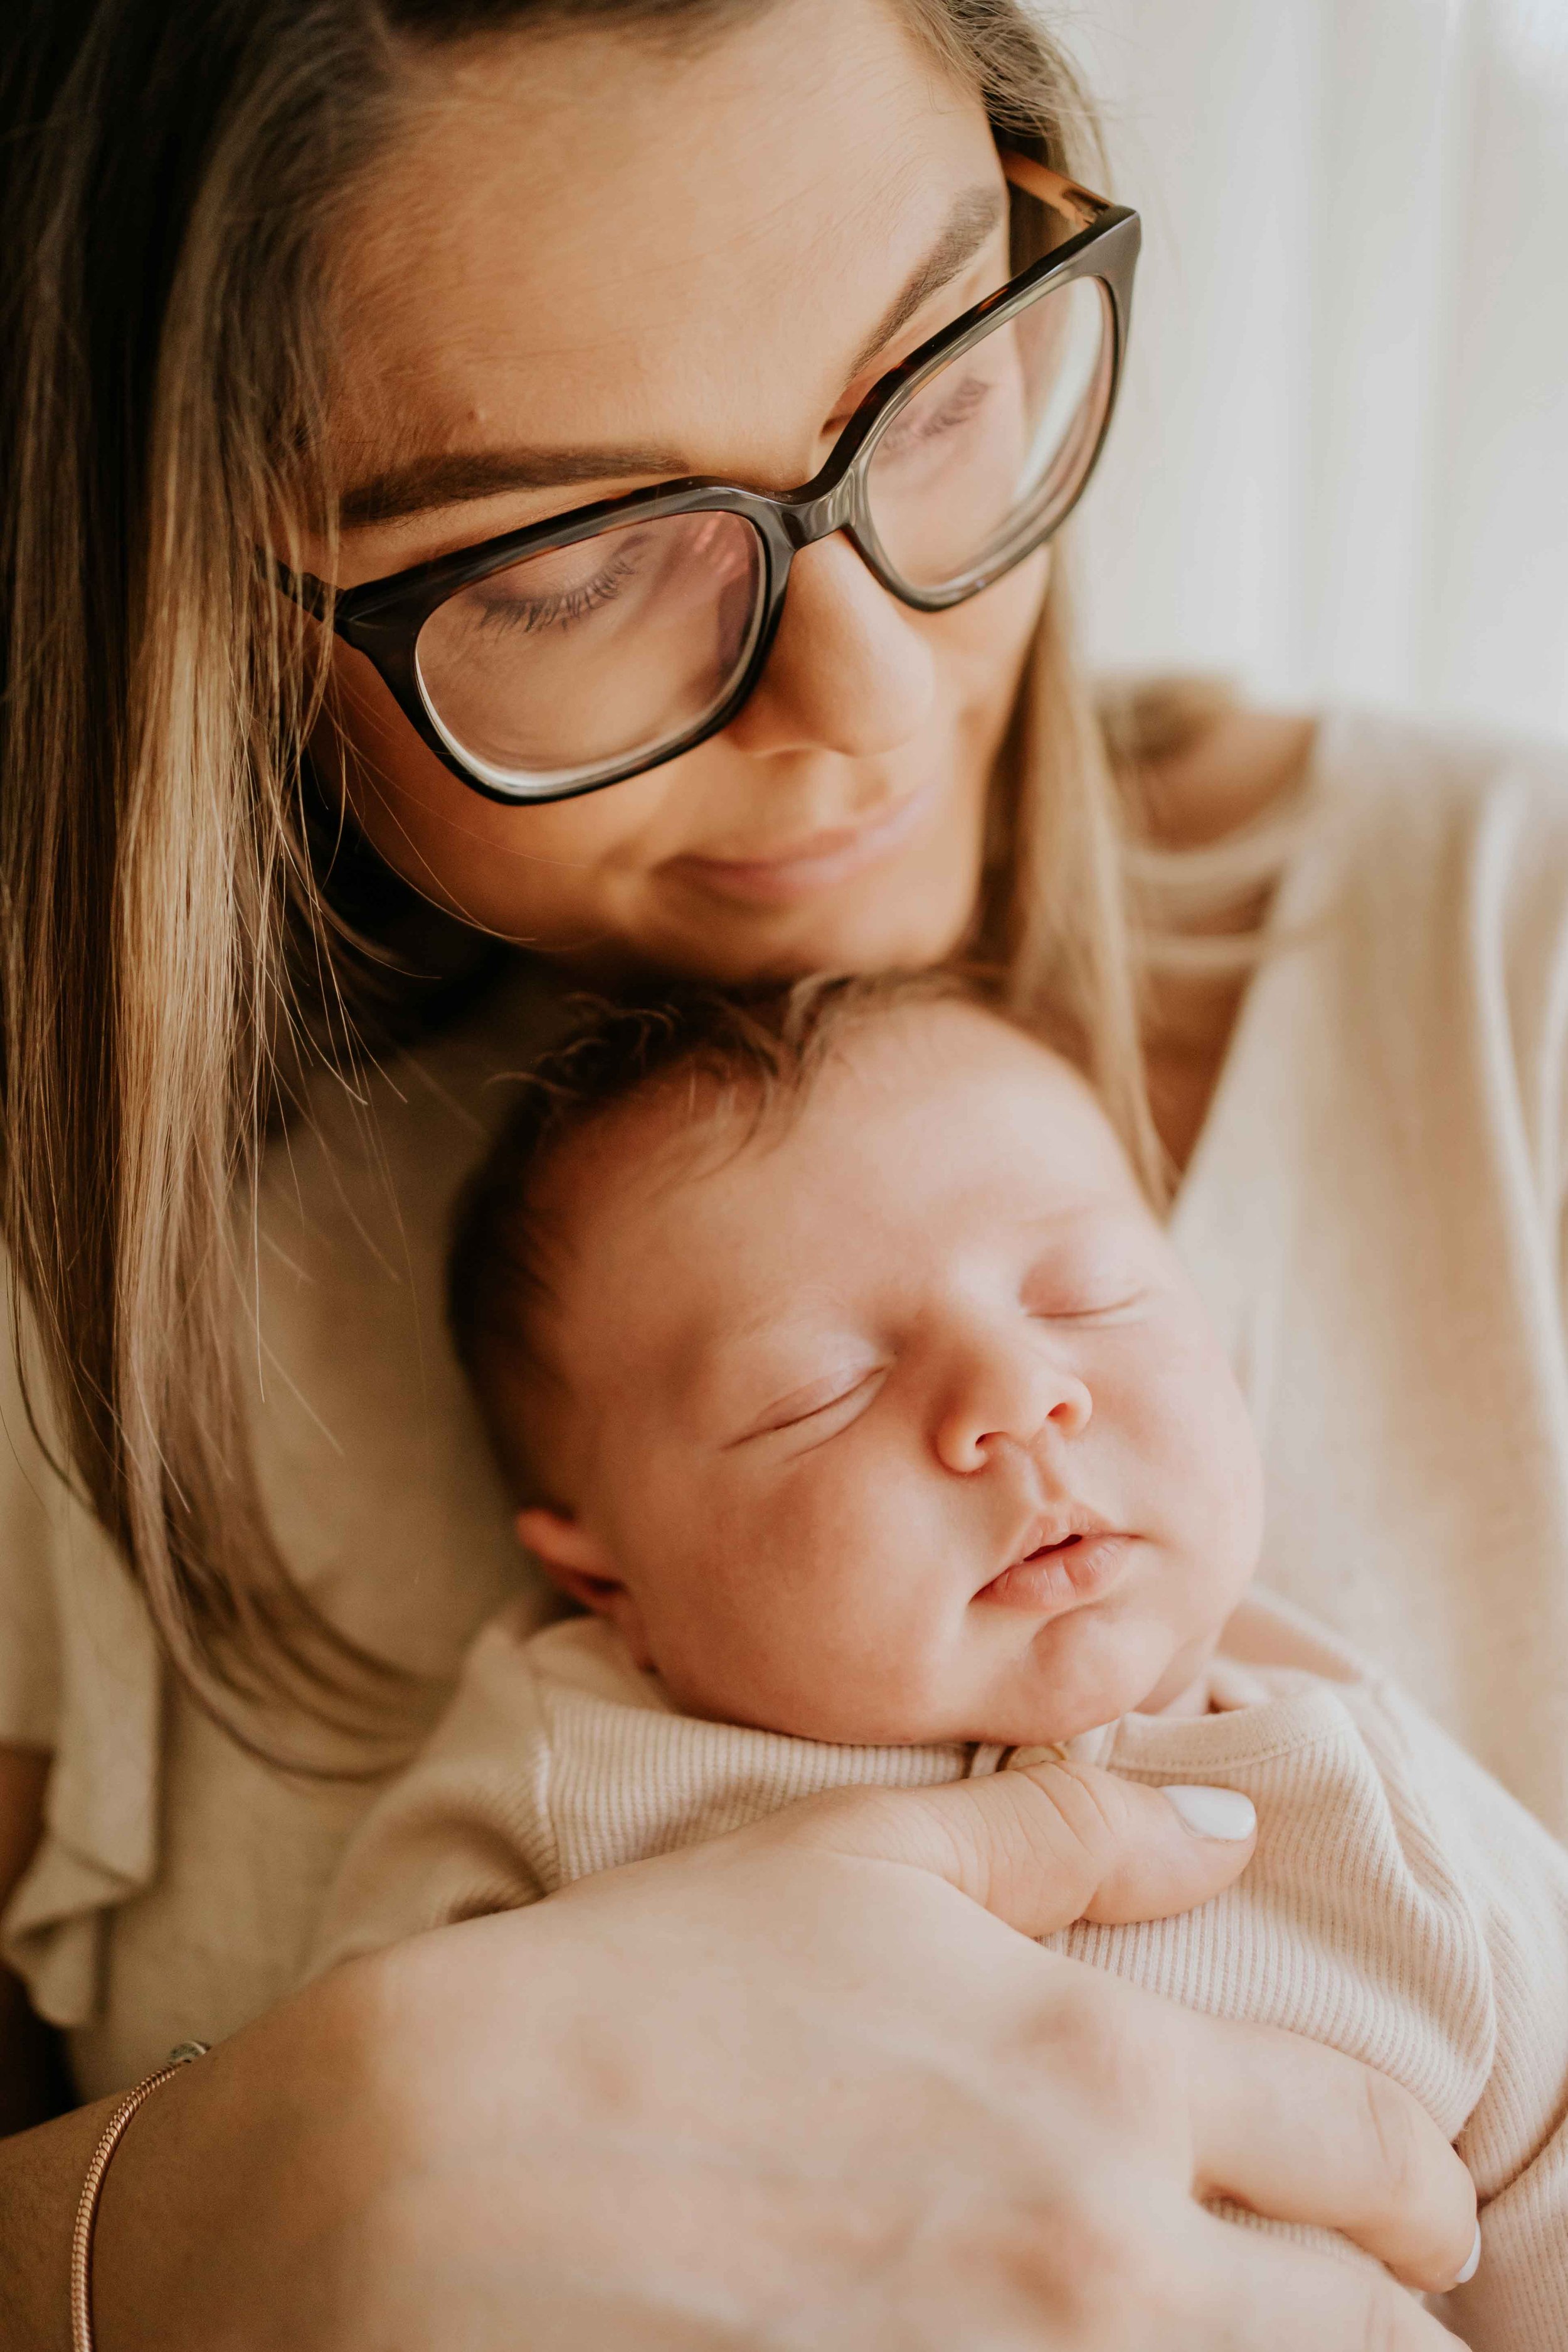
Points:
x=590, y=262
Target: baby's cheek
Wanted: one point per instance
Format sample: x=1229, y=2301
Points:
x=1214, y=1470
x=889, y=1586
x=1174, y=1408
x=1236, y=1465
x=739, y=1600
x=840, y=1630
x=695, y=1567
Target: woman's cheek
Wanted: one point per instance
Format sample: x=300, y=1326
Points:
x=538, y=874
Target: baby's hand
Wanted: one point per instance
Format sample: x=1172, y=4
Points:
x=1043, y=1846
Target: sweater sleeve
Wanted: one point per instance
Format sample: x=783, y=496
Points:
x=1515, y=2140
x=465, y=1830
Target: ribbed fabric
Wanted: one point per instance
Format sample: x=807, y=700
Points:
x=1373, y=1215
x=1401, y=1906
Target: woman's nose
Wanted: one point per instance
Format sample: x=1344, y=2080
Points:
x=1009, y=1392
x=849, y=672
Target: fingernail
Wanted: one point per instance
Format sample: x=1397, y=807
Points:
x=1214, y=1812
x=1473, y=2266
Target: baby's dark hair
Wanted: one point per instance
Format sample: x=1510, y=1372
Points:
x=757, y=1051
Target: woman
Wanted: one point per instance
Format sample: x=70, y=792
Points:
x=366, y=284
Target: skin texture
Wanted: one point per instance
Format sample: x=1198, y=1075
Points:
x=613, y=2118
x=824, y=1394
x=638, y=322
x=383, y=2161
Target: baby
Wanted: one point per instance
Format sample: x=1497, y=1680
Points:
x=849, y=1384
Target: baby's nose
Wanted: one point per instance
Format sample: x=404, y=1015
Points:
x=1009, y=1394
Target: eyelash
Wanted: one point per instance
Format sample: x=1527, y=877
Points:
x=531, y=613
x=573, y=605
x=1108, y=1308
x=798, y=1419
x=961, y=406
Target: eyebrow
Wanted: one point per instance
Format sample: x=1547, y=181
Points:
x=423, y=484
x=969, y=225
x=426, y=483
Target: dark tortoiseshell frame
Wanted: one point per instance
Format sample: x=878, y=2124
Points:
x=383, y=618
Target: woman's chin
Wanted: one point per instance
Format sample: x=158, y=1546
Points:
x=901, y=922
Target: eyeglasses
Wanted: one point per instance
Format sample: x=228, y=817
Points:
x=568, y=655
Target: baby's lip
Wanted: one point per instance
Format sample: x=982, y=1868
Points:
x=1056, y=1530
x=1064, y=1558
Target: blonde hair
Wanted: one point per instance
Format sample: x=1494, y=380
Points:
x=171, y=180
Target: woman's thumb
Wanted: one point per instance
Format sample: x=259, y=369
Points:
x=1047, y=1845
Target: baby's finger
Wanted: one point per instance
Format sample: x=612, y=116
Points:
x=1043, y=1847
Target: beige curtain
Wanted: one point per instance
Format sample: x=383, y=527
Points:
x=1341, y=468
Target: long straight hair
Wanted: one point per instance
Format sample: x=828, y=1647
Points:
x=171, y=172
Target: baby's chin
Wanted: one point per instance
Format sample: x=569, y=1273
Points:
x=1005, y=1682
x=1032, y=1710
x=1057, y=1698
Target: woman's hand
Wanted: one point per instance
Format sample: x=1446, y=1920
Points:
x=791, y=2088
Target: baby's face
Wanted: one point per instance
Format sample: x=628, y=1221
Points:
x=901, y=1422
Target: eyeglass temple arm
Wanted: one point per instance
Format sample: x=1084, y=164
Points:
x=1080, y=205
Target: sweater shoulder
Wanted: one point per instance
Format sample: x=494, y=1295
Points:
x=1431, y=776
x=1424, y=820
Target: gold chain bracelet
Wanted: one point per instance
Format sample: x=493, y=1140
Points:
x=86, y=2204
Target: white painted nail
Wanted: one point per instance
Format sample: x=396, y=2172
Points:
x=1214, y=1812
x=1473, y=2266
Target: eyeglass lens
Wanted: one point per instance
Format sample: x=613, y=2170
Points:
x=994, y=449
x=583, y=660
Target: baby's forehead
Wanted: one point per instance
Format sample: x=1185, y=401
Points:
x=923, y=1061
x=698, y=1207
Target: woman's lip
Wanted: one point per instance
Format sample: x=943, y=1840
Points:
x=817, y=863
x=1061, y=1576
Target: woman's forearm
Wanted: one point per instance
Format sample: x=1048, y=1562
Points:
x=41, y=2173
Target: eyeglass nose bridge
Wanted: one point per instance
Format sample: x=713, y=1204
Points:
x=811, y=514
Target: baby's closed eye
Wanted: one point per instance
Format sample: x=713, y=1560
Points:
x=820, y=1408
x=1086, y=1303
x=1087, y=1285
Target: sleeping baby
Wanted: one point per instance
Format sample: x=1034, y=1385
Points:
x=852, y=1391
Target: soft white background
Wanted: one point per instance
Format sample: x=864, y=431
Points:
x=1341, y=463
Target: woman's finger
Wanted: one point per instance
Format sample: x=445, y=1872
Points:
x=1278, y=2124
x=1043, y=1847
x=1258, y=2290
x=1307, y=2135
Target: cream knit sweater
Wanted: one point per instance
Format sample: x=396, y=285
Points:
x=1400, y=1907
x=1374, y=1216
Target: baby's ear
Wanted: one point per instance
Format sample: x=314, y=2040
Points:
x=580, y=1565
x=576, y=1560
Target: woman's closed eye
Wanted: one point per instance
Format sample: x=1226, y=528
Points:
x=498, y=604
x=928, y=421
